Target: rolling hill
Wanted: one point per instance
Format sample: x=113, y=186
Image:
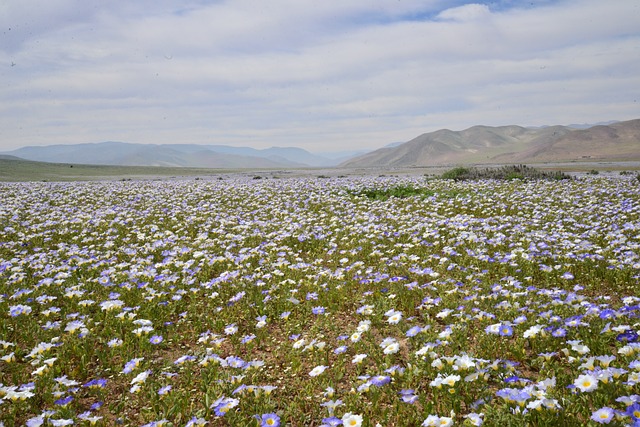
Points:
x=172, y=155
x=510, y=144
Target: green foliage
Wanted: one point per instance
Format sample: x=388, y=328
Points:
x=399, y=191
x=504, y=173
x=457, y=174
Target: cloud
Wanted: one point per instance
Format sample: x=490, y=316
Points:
x=468, y=12
x=322, y=75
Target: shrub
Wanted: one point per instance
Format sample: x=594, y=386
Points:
x=510, y=172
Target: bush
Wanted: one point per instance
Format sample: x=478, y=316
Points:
x=456, y=174
x=510, y=172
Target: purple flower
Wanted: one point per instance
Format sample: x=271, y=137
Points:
x=415, y=330
x=268, y=420
x=505, y=330
x=156, y=339
x=380, y=380
x=64, y=401
x=317, y=310
x=603, y=415
x=164, y=390
x=331, y=421
x=628, y=336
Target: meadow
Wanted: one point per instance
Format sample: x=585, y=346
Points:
x=312, y=302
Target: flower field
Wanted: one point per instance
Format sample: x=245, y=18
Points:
x=304, y=302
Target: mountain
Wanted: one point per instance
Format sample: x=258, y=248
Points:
x=510, y=144
x=181, y=155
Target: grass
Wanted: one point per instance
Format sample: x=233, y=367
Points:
x=24, y=170
x=182, y=302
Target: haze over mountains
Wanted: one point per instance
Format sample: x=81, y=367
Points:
x=179, y=155
x=479, y=144
x=510, y=144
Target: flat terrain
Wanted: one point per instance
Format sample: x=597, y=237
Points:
x=17, y=170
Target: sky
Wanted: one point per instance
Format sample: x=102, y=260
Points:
x=323, y=75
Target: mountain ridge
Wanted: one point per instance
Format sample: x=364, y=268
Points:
x=172, y=155
x=509, y=144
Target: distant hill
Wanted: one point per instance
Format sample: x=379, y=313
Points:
x=173, y=155
x=510, y=144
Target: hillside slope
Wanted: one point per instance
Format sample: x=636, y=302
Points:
x=509, y=144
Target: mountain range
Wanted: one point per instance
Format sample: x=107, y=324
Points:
x=510, y=144
x=178, y=155
x=476, y=145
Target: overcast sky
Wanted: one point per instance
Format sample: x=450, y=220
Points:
x=323, y=75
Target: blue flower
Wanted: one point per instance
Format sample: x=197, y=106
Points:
x=270, y=420
x=506, y=330
x=603, y=415
x=628, y=336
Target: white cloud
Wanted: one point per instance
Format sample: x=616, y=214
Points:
x=468, y=12
x=329, y=74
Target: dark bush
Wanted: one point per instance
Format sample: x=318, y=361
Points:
x=510, y=172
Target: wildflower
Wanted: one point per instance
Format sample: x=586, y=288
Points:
x=131, y=365
x=35, y=421
x=331, y=406
x=115, y=342
x=364, y=326
x=380, y=380
x=603, y=415
x=20, y=309
x=393, y=317
x=358, y=358
x=64, y=401
x=141, y=377
x=331, y=422
x=351, y=420
x=365, y=309
x=633, y=410
x=506, y=330
x=247, y=338
x=413, y=331
x=156, y=339
x=164, y=390
x=340, y=350
x=224, y=405
x=11, y=357
x=195, y=421
x=317, y=370
x=92, y=419
x=318, y=310
x=586, y=383
x=269, y=420
x=262, y=321
x=627, y=336
x=60, y=422
x=392, y=348
x=231, y=329
x=475, y=419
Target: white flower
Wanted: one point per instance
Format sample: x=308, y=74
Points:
x=393, y=317
x=586, y=383
x=351, y=420
x=392, y=348
x=358, y=358
x=317, y=370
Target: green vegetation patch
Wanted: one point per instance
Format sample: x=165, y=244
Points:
x=404, y=192
x=505, y=173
